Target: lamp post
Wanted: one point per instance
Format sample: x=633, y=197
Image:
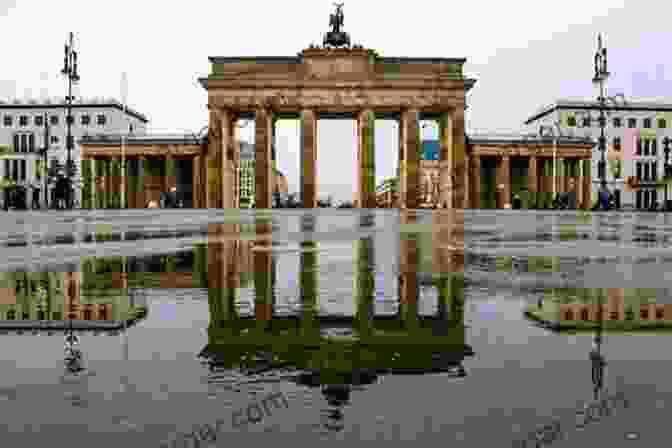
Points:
x=70, y=71
x=600, y=76
x=556, y=132
x=667, y=173
x=44, y=155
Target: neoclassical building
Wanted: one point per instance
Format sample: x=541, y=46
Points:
x=340, y=81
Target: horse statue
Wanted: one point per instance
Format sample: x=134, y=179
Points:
x=336, y=20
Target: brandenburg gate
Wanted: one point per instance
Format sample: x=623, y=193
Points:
x=336, y=80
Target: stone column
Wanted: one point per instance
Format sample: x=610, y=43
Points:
x=308, y=158
x=533, y=179
x=476, y=181
x=587, y=182
x=168, y=165
x=263, y=163
x=504, y=181
x=454, y=140
x=366, y=181
x=467, y=193
x=402, y=164
x=560, y=175
x=445, y=160
x=92, y=173
x=411, y=170
x=212, y=161
x=196, y=182
x=228, y=175
x=142, y=193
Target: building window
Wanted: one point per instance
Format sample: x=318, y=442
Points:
x=23, y=120
x=647, y=123
x=644, y=313
x=571, y=122
x=7, y=120
x=654, y=171
x=617, y=122
x=584, y=314
x=100, y=120
x=54, y=139
x=53, y=120
x=586, y=122
x=639, y=170
x=662, y=123
x=24, y=143
x=569, y=315
x=31, y=143
x=647, y=143
x=639, y=146
x=23, y=169
x=85, y=120
x=617, y=143
x=659, y=313
x=39, y=120
x=17, y=146
x=632, y=123
x=654, y=146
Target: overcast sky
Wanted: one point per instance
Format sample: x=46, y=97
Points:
x=523, y=53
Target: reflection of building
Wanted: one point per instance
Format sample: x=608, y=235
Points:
x=22, y=134
x=28, y=299
x=634, y=133
x=622, y=309
x=247, y=177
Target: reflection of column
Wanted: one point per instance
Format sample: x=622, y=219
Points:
x=263, y=271
x=408, y=273
x=411, y=171
x=366, y=159
x=221, y=273
x=228, y=122
x=308, y=158
x=448, y=262
x=263, y=135
x=308, y=281
x=365, y=286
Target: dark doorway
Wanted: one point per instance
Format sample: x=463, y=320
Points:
x=488, y=183
x=184, y=181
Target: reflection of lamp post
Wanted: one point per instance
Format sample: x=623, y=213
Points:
x=596, y=358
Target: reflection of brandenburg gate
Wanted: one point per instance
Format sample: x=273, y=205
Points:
x=335, y=83
x=444, y=262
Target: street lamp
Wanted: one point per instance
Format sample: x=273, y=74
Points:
x=45, y=149
x=667, y=173
x=70, y=71
x=601, y=75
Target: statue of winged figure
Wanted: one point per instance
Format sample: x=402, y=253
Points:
x=336, y=20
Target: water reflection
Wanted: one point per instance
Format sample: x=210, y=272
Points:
x=318, y=347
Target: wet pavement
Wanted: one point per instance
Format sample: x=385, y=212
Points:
x=375, y=325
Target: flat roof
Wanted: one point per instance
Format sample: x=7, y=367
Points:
x=297, y=59
x=62, y=104
x=494, y=137
x=131, y=139
x=660, y=104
